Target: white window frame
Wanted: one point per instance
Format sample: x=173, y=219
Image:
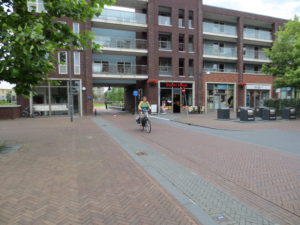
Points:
x=63, y=68
x=77, y=68
x=76, y=28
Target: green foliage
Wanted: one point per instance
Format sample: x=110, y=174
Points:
x=29, y=40
x=115, y=95
x=279, y=104
x=5, y=103
x=285, y=56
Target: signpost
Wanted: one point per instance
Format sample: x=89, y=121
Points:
x=135, y=93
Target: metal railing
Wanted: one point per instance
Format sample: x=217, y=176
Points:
x=119, y=42
x=219, y=28
x=252, y=54
x=259, y=72
x=123, y=16
x=257, y=34
x=164, y=20
x=225, y=70
x=99, y=68
x=223, y=52
x=165, y=45
x=165, y=70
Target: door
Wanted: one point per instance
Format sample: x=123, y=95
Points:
x=176, y=100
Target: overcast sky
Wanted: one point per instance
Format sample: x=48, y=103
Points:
x=277, y=8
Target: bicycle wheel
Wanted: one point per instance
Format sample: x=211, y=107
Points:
x=148, y=126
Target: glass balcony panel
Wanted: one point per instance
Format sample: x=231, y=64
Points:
x=257, y=34
x=118, y=42
x=219, y=29
x=226, y=51
x=164, y=20
x=122, y=16
x=252, y=54
x=165, y=70
x=128, y=69
x=225, y=70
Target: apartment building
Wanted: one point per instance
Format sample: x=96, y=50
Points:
x=175, y=52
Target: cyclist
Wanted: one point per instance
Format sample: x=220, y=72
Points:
x=143, y=106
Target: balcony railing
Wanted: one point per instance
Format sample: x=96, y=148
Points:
x=165, y=45
x=123, y=16
x=258, y=55
x=222, y=52
x=164, y=20
x=165, y=70
x=219, y=29
x=257, y=34
x=225, y=70
x=257, y=72
x=118, y=42
x=99, y=68
x=39, y=6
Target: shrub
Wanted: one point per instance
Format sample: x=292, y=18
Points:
x=279, y=104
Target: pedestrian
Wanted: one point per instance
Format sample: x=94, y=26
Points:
x=105, y=102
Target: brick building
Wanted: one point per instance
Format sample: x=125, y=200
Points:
x=161, y=47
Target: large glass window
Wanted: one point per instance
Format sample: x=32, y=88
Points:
x=220, y=96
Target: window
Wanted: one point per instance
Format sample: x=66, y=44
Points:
x=76, y=28
x=191, y=67
x=124, y=67
x=221, y=67
x=164, y=16
x=181, y=67
x=62, y=22
x=165, y=66
x=37, y=5
x=181, y=18
x=191, y=43
x=181, y=42
x=100, y=66
x=76, y=63
x=191, y=19
x=63, y=62
x=165, y=41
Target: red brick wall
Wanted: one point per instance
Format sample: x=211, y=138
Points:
x=10, y=112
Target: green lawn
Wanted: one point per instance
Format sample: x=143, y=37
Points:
x=98, y=104
x=5, y=103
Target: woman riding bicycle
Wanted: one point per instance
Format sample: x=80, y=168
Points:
x=144, y=106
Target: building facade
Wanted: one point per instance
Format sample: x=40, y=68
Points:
x=176, y=52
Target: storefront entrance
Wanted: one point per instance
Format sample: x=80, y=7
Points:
x=172, y=99
x=52, y=97
x=220, y=96
x=256, y=94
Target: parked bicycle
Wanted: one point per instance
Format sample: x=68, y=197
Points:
x=26, y=113
x=144, y=121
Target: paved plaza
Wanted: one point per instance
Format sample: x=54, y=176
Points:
x=105, y=170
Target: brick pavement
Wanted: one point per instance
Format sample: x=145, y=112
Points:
x=265, y=179
x=75, y=174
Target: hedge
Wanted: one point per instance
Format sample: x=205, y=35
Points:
x=279, y=104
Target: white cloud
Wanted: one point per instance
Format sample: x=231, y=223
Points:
x=286, y=9
x=6, y=85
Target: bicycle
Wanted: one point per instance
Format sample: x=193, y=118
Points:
x=144, y=121
x=26, y=113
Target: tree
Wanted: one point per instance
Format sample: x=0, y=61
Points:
x=285, y=56
x=115, y=95
x=29, y=40
x=8, y=97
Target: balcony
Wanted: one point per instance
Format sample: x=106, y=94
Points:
x=220, y=54
x=255, y=72
x=137, y=4
x=256, y=56
x=220, y=32
x=165, y=70
x=218, y=70
x=122, y=46
x=121, y=20
x=117, y=71
x=254, y=36
x=164, y=20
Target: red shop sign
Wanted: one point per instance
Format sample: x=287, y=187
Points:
x=179, y=85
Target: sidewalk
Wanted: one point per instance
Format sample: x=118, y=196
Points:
x=75, y=174
x=210, y=120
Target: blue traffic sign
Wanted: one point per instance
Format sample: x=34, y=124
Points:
x=135, y=93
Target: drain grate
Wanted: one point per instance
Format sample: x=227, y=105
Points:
x=141, y=153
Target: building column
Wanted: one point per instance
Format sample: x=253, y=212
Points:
x=240, y=63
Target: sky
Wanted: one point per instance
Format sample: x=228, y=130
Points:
x=286, y=9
